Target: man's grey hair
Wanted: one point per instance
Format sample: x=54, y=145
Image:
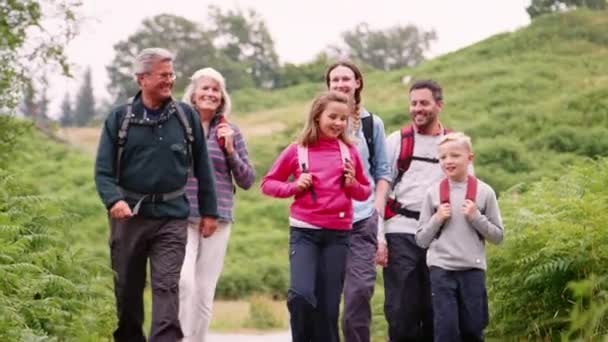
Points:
x=147, y=57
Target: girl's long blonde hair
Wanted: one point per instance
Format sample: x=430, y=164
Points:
x=311, y=132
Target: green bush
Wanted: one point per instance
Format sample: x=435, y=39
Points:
x=50, y=289
x=554, y=235
x=589, y=317
x=503, y=153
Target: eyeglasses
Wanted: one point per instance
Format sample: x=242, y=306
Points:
x=164, y=76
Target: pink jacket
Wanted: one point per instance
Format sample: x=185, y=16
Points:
x=333, y=207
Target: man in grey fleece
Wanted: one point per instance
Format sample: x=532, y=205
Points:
x=456, y=219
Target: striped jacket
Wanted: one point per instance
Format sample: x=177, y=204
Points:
x=225, y=168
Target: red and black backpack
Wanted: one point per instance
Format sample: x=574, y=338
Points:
x=406, y=155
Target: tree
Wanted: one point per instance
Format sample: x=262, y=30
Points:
x=393, y=48
x=292, y=74
x=28, y=106
x=244, y=38
x=192, y=46
x=540, y=7
x=67, y=116
x=43, y=105
x=84, y=110
x=27, y=43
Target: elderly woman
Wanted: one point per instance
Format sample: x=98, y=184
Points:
x=206, y=248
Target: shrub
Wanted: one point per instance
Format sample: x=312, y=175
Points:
x=554, y=235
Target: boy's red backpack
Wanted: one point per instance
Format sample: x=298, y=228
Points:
x=406, y=155
x=444, y=194
x=444, y=190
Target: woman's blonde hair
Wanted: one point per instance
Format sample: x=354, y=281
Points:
x=213, y=74
x=311, y=132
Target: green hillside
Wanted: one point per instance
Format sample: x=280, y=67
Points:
x=534, y=101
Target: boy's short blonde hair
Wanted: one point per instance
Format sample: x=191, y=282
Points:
x=457, y=137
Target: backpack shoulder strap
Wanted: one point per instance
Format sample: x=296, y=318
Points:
x=183, y=120
x=444, y=191
x=123, y=132
x=367, y=124
x=221, y=141
x=303, y=158
x=471, y=188
x=344, y=151
x=406, y=151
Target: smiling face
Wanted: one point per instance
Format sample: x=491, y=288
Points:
x=207, y=96
x=454, y=158
x=344, y=80
x=424, y=109
x=333, y=120
x=158, y=82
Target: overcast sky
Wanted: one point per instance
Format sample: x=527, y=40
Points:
x=300, y=29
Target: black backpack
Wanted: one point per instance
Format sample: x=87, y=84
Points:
x=367, y=125
x=124, y=129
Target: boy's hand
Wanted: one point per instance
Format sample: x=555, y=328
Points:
x=349, y=173
x=443, y=212
x=469, y=209
x=304, y=182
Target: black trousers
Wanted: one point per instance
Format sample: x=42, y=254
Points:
x=460, y=304
x=317, y=259
x=132, y=243
x=407, y=302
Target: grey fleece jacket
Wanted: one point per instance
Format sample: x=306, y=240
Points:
x=459, y=244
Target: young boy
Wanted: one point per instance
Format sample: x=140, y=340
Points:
x=458, y=215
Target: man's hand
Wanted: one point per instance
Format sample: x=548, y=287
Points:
x=207, y=226
x=120, y=210
x=382, y=254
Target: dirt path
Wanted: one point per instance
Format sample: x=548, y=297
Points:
x=271, y=337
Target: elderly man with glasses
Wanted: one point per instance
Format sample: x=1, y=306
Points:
x=147, y=148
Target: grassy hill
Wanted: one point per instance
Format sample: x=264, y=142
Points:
x=534, y=101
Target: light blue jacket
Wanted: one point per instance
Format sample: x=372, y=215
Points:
x=365, y=209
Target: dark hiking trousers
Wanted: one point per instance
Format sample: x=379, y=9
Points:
x=407, y=302
x=132, y=242
x=317, y=259
x=460, y=304
x=360, y=280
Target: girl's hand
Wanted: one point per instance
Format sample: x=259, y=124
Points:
x=304, y=182
x=349, y=173
x=225, y=131
x=443, y=212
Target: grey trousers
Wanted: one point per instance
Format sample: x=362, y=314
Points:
x=360, y=280
x=132, y=242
